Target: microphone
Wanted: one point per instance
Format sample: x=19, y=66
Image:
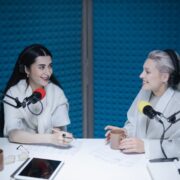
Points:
x=146, y=108
x=36, y=96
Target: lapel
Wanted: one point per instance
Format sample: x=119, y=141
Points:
x=164, y=100
x=44, y=119
x=142, y=119
x=161, y=107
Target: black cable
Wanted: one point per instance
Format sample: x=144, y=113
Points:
x=161, y=140
x=166, y=159
x=34, y=112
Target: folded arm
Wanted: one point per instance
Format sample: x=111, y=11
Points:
x=56, y=138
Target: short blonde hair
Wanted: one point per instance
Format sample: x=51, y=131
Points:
x=165, y=64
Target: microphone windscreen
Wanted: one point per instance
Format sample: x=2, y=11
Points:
x=142, y=104
x=41, y=91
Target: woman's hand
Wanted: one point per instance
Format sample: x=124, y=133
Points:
x=109, y=129
x=132, y=145
x=61, y=138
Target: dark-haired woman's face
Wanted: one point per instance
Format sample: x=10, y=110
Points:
x=40, y=72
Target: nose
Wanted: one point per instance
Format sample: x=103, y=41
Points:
x=141, y=76
x=48, y=71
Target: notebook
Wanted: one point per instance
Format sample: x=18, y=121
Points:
x=163, y=171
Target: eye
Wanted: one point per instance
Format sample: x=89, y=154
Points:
x=50, y=65
x=41, y=67
x=147, y=70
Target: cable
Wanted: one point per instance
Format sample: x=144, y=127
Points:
x=34, y=112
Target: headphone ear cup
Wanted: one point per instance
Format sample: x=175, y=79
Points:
x=174, y=79
x=21, y=68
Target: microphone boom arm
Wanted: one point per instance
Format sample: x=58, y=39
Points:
x=172, y=119
x=18, y=103
x=26, y=102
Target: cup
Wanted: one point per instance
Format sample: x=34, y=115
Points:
x=1, y=160
x=116, y=136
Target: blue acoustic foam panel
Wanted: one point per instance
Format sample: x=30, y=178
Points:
x=124, y=33
x=57, y=24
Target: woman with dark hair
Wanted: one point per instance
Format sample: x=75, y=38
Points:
x=160, y=81
x=33, y=70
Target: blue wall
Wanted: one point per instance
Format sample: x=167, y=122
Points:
x=57, y=25
x=124, y=32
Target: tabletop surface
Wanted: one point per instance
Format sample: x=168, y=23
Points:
x=84, y=159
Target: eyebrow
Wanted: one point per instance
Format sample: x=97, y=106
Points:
x=146, y=68
x=44, y=64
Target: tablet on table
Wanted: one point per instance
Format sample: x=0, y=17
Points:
x=38, y=169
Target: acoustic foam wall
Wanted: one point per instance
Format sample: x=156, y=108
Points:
x=57, y=25
x=124, y=32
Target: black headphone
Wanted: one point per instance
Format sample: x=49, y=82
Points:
x=175, y=76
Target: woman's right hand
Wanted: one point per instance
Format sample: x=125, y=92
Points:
x=108, y=130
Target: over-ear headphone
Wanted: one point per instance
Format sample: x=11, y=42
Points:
x=175, y=76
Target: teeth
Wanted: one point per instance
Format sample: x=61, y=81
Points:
x=45, y=78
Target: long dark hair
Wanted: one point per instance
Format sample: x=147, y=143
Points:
x=25, y=59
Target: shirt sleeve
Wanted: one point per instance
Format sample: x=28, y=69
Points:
x=60, y=107
x=60, y=117
x=131, y=123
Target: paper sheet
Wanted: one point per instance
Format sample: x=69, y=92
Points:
x=109, y=155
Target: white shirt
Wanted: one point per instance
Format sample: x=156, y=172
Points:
x=54, y=114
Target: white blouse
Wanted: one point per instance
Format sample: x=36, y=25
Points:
x=54, y=114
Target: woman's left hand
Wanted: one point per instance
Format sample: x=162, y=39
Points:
x=132, y=145
x=62, y=137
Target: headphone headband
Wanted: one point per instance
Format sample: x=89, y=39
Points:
x=175, y=76
x=174, y=59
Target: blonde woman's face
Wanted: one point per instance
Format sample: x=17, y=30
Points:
x=152, y=79
x=40, y=72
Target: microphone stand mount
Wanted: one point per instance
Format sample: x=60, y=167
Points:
x=171, y=120
x=16, y=100
x=20, y=104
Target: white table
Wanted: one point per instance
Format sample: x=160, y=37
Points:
x=87, y=159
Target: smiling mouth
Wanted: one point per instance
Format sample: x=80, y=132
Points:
x=45, y=79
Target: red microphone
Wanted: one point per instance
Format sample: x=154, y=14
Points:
x=41, y=91
x=36, y=96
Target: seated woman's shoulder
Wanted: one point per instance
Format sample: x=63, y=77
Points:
x=54, y=88
x=20, y=87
